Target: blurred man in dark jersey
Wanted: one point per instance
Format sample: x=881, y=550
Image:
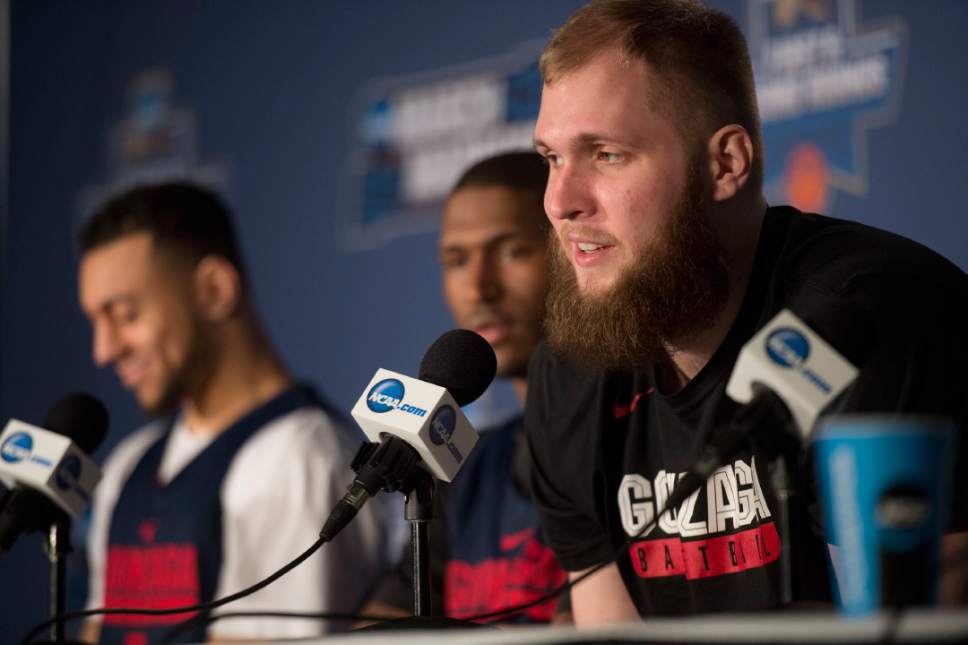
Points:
x=487, y=551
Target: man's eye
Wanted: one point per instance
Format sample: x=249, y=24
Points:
x=124, y=314
x=452, y=261
x=609, y=157
x=516, y=251
x=552, y=160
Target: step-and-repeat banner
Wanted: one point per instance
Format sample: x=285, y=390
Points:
x=335, y=130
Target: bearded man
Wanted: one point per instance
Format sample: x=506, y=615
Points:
x=666, y=260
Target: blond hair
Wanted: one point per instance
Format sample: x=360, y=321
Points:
x=699, y=52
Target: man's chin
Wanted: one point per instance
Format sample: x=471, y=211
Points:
x=594, y=288
x=512, y=362
x=598, y=281
x=155, y=405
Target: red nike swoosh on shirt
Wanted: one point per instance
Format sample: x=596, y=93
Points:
x=620, y=411
x=511, y=542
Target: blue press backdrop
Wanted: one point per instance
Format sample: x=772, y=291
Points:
x=269, y=88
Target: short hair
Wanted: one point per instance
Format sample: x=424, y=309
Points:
x=182, y=218
x=523, y=170
x=700, y=52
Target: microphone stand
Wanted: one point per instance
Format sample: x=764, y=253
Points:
x=390, y=466
x=419, y=511
x=393, y=465
x=58, y=548
x=786, y=495
x=776, y=435
x=764, y=422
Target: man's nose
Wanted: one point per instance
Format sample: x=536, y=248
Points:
x=567, y=195
x=107, y=345
x=484, y=280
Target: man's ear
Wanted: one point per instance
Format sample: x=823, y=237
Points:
x=730, y=154
x=217, y=288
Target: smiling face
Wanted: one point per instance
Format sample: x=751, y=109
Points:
x=618, y=165
x=637, y=267
x=492, y=253
x=140, y=307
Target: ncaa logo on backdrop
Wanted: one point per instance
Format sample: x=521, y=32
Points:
x=17, y=447
x=385, y=395
x=155, y=139
x=824, y=78
x=413, y=135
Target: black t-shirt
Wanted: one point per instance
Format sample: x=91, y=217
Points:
x=608, y=447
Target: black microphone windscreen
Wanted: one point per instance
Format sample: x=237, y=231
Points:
x=81, y=417
x=462, y=362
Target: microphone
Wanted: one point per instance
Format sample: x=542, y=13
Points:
x=47, y=470
x=789, y=358
x=417, y=422
x=785, y=372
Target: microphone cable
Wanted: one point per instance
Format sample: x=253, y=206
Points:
x=679, y=493
x=682, y=490
x=489, y=616
x=177, y=610
x=685, y=487
x=484, y=617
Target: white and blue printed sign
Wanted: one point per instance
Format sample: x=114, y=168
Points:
x=47, y=462
x=155, y=140
x=413, y=137
x=422, y=414
x=824, y=78
x=797, y=364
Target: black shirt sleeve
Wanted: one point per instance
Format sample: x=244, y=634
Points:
x=561, y=422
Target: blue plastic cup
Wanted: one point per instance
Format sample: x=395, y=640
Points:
x=885, y=486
